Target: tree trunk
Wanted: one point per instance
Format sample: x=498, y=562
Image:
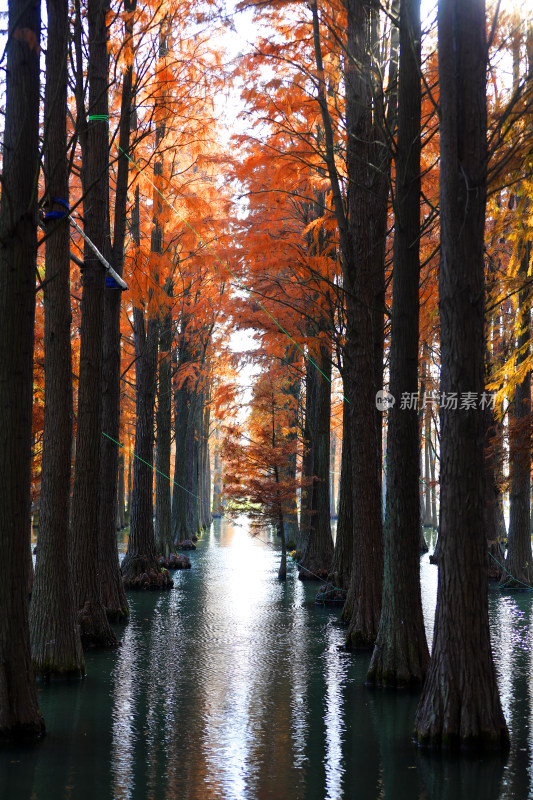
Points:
x=460, y=704
x=401, y=655
x=282, y=572
x=427, y=470
x=363, y=603
x=341, y=565
x=192, y=460
x=217, y=508
x=332, y=472
x=54, y=632
x=94, y=626
x=113, y=594
x=306, y=506
x=139, y=567
x=519, y=561
x=20, y=717
x=205, y=494
x=180, y=487
x=121, y=523
x=128, y=503
x=432, y=465
x=163, y=532
x=318, y=553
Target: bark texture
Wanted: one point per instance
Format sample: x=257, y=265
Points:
x=519, y=561
x=139, y=567
x=163, y=532
x=363, y=603
x=19, y=711
x=401, y=655
x=113, y=594
x=54, y=631
x=94, y=626
x=318, y=552
x=460, y=704
x=341, y=565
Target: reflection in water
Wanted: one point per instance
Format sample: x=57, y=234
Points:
x=234, y=686
x=298, y=676
x=335, y=673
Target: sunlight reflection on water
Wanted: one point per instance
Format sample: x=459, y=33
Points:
x=234, y=686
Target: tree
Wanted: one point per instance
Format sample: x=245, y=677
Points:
x=94, y=626
x=460, y=705
x=401, y=654
x=20, y=717
x=112, y=588
x=256, y=475
x=139, y=566
x=55, y=636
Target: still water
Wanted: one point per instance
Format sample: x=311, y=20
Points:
x=234, y=687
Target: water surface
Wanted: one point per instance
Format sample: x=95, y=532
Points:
x=235, y=687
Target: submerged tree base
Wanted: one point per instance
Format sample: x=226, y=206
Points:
x=141, y=572
x=401, y=668
x=95, y=630
x=312, y=572
x=120, y=615
x=29, y=732
x=174, y=562
x=331, y=595
x=485, y=741
x=359, y=640
x=47, y=672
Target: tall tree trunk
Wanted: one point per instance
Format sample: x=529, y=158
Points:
x=363, y=603
x=94, y=626
x=282, y=572
x=20, y=717
x=401, y=653
x=432, y=464
x=460, y=704
x=427, y=469
x=206, y=469
x=128, y=504
x=332, y=473
x=54, y=632
x=519, y=560
x=191, y=462
x=113, y=594
x=139, y=567
x=121, y=491
x=318, y=553
x=341, y=565
x=217, y=505
x=308, y=460
x=163, y=532
x=180, y=487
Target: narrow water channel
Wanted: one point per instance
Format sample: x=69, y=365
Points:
x=235, y=687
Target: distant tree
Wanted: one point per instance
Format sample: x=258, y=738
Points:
x=256, y=476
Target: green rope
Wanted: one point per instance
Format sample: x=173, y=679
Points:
x=151, y=466
x=98, y=118
x=526, y=585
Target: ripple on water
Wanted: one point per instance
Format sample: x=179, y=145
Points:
x=233, y=686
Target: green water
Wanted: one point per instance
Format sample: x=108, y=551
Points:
x=233, y=687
